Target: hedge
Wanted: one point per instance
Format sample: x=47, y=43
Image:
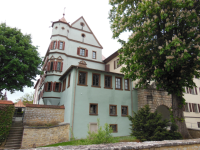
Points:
x=6, y=115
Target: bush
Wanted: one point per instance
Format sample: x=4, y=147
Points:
x=102, y=136
x=147, y=126
x=6, y=115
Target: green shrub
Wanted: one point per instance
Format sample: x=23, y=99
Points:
x=6, y=115
x=147, y=126
x=102, y=136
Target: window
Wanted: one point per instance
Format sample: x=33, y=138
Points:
x=193, y=91
x=116, y=65
x=96, y=80
x=82, y=78
x=93, y=110
x=61, y=45
x=186, y=107
x=58, y=66
x=64, y=84
x=114, y=127
x=108, y=81
x=51, y=66
x=82, y=52
x=118, y=83
x=124, y=110
x=93, y=127
x=113, y=110
x=54, y=45
x=93, y=54
x=126, y=84
x=57, y=87
x=69, y=80
x=195, y=108
x=49, y=86
x=198, y=124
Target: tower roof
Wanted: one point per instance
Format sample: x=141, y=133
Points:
x=63, y=19
x=19, y=104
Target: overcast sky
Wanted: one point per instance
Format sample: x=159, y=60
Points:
x=34, y=17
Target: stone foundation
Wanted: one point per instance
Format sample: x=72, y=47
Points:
x=195, y=133
x=41, y=136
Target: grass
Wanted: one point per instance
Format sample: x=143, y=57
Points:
x=82, y=141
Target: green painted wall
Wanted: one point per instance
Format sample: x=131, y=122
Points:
x=87, y=94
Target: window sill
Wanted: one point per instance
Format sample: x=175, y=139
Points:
x=107, y=88
x=118, y=89
x=96, y=86
x=94, y=114
x=82, y=85
x=114, y=115
x=82, y=56
x=127, y=90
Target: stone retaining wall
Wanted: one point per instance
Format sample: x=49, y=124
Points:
x=41, y=136
x=195, y=133
x=43, y=114
x=193, y=144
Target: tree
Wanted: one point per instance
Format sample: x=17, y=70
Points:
x=27, y=98
x=147, y=126
x=163, y=45
x=19, y=60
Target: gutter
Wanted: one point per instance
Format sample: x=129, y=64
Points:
x=74, y=104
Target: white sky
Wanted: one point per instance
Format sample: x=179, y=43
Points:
x=34, y=17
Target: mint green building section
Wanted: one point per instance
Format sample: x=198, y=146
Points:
x=84, y=95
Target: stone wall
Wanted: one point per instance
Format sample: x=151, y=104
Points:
x=153, y=97
x=41, y=136
x=195, y=133
x=43, y=114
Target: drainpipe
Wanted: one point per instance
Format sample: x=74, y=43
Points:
x=131, y=98
x=74, y=104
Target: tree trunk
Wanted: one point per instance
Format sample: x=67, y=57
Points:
x=178, y=114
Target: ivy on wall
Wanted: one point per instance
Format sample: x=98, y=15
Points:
x=6, y=115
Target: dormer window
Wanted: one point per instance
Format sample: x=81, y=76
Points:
x=82, y=52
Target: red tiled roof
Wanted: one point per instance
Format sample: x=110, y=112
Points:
x=6, y=102
x=19, y=104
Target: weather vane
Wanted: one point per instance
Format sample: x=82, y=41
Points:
x=64, y=12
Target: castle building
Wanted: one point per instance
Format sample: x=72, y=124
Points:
x=78, y=76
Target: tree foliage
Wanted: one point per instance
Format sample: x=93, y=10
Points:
x=147, y=126
x=164, y=41
x=27, y=98
x=163, y=45
x=19, y=59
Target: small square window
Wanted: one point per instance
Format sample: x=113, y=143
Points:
x=54, y=45
x=126, y=84
x=186, y=107
x=94, y=55
x=61, y=45
x=95, y=79
x=198, y=124
x=93, y=110
x=118, y=83
x=114, y=127
x=58, y=66
x=124, y=110
x=49, y=87
x=82, y=52
x=108, y=81
x=51, y=67
x=113, y=110
x=82, y=78
x=57, y=87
